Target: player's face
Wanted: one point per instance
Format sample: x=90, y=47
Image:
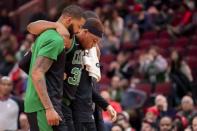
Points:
x=87, y=39
x=76, y=25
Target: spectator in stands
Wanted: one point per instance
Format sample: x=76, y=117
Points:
x=180, y=74
x=115, y=89
x=115, y=23
x=161, y=18
x=23, y=49
x=7, y=63
x=8, y=46
x=4, y=17
x=185, y=24
x=152, y=115
x=133, y=14
x=131, y=33
x=9, y=106
x=160, y=109
x=29, y=37
x=194, y=124
x=112, y=43
x=161, y=104
x=8, y=41
x=25, y=46
x=122, y=66
x=187, y=112
x=123, y=120
x=147, y=19
x=165, y=124
x=117, y=127
x=154, y=67
x=179, y=65
x=147, y=126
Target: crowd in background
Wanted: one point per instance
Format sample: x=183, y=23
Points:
x=148, y=62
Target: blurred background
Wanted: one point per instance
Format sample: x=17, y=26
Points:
x=148, y=60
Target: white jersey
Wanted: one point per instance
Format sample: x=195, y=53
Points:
x=9, y=111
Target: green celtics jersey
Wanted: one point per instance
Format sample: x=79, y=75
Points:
x=51, y=45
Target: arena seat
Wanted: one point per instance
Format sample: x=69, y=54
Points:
x=104, y=80
x=163, y=43
x=181, y=42
x=192, y=62
x=164, y=34
x=194, y=41
x=144, y=44
x=149, y=35
x=145, y=87
x=192, y=51
x=107, y=58
x=163, y=88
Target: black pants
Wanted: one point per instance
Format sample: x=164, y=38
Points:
x=37, y=122
x=85, y=126
x=67, y=113
x=99, y=119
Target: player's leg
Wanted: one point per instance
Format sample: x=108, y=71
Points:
x=38, y=122
x=90, y=126
x=33, y=122
x=99, y=119
x=67, y=113
x=79, y=126
x=61, y=127
x=84, y=126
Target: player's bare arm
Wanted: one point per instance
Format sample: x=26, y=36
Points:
x=41, y=66
x=39, y=26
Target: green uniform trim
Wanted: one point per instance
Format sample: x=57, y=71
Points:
x=73, y=43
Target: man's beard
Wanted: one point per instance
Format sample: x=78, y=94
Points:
x=71, y=30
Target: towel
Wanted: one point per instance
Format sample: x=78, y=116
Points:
x=91, y=62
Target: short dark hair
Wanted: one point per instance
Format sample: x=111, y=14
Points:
x=90, y=14
x=73, y=11
x=93, y=25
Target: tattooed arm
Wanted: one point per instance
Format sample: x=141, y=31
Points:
x=41, y=66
